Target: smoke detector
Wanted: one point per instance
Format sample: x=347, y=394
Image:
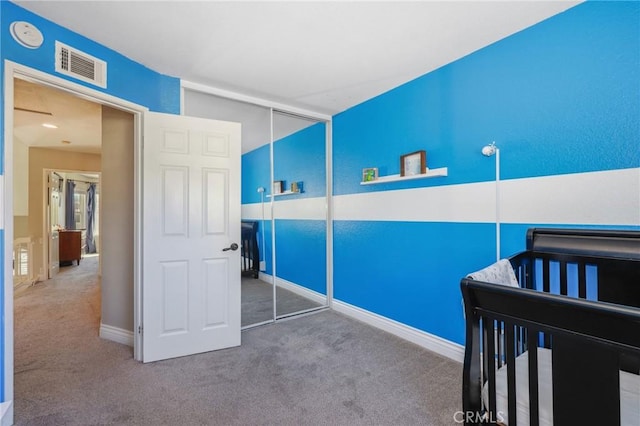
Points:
x=26, y=34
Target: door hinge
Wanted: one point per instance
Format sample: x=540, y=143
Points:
x=140, y=329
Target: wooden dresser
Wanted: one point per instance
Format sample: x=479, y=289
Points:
x=70, y=246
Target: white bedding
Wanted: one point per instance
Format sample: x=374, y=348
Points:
x=629, y=392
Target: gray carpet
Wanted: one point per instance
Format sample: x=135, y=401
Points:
x=321, y=369
x=257, y=301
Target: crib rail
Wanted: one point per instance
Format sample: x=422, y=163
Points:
x=589, y=341
x=579, y=297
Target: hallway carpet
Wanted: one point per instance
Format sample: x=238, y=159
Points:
x=321, y=369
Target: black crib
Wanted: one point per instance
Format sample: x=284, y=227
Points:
x=250, y=253
x=534, y=357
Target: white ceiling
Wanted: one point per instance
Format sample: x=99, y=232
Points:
x=78, y=121
x=323, y=56
x=320, y=56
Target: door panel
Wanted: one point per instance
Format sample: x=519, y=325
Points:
x=215, y=201
x=175, y=291
x=175, y=200
x=191, y=213
x=216, y=310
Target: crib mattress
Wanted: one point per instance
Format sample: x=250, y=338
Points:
x=629, y=392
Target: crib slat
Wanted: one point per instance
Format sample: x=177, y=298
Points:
x=527, y=277
x=546, y=282
x=511, y=372
x=582, y=280
x=579, y=398
x=490, y=362
x=500, y=334
x=522, y=340
x=532, y=346
x=546, y=287
x=563, y=278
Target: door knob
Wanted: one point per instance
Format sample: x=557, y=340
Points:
x=233, y=247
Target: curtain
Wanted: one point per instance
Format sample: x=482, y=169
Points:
x=69, y=210
x=91, y=212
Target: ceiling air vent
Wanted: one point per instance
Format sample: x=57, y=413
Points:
x=80, y=65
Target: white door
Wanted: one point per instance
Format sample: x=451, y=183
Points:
x=53, y=210
x=190, y=220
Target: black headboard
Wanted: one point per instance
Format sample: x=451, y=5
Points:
x=616, y=244
x=615, y=253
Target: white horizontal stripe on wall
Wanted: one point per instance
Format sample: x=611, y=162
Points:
x=473, y=202
x=301, y=209
x=597, y=198
x=254, y=211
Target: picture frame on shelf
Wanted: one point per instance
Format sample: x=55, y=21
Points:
x=278, y=187
x=369, y=174
x=414, y=163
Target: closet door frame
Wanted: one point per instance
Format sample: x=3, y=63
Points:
x=303, y=113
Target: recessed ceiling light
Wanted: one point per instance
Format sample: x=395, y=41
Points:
x=49, y=126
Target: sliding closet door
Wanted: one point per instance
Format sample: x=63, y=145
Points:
x=258, y=305
x=299, y=196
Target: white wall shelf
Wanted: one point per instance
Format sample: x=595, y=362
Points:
x=284, y=193
x=442, y=171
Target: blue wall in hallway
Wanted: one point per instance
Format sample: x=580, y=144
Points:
x=126, y=79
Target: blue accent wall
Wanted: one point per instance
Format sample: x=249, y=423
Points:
x=300, y=243
x=255, y=174
x=300, y=157
x=561, y=97
x=410, y=271
x=301, y=253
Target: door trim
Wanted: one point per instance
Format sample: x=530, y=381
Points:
x=15, y=70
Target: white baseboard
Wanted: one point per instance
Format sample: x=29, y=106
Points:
x=264, y=277
x=303, y=291
x=6, y=413
x=116, y=334
x=297, y=289
x=421, y=338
